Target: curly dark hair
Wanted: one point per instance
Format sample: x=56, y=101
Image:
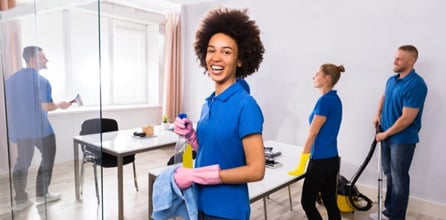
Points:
x=236, y=24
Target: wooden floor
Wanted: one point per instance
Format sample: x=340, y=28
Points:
x=136, y=203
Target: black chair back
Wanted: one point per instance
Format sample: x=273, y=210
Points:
x=97, y=125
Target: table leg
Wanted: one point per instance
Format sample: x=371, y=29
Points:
x=76, y=169
x=151, y=182
x=264, y=208
x=289, y=196
x=120, y=190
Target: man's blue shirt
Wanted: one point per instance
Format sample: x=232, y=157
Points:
x=25, y=91
x=410, y=91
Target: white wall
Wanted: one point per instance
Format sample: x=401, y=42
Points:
x=363, y=36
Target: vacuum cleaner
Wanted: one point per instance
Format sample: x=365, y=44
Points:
x=349, y=198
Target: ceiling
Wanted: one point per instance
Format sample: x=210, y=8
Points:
x=158, y=5
x=180, y=2
x=187, y=2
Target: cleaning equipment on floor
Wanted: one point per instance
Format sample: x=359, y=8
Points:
x=349, y=198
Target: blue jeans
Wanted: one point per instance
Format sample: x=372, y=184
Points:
x=396, y=160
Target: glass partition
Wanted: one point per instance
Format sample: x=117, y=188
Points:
x=50, y=64
x=62, y=64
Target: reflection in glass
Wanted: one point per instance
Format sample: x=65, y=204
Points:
x=108, y=58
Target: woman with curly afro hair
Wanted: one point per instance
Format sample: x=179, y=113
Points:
x=228, y=138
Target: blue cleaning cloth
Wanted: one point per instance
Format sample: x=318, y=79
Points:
x=169, y=201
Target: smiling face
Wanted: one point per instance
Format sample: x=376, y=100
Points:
x=403, y=62
x=35, y=59
x=41, y=60
x=222, y=60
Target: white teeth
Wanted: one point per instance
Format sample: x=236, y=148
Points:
x=217, y=67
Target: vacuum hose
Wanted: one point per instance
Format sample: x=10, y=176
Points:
x=353, y=193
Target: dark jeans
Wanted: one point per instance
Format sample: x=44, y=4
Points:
x=396, y=160
x=321, y=177
x=25, y=153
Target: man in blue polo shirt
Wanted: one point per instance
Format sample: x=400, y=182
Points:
x=28, y=99
x=399, y=117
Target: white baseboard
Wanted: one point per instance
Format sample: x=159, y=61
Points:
x=418, y=205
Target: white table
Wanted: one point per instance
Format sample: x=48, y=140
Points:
x=120, y=144
x=274, y=179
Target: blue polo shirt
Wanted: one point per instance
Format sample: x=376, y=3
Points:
x=410, y=91
x=326, y=143
x=25, y=91
x=225, y=120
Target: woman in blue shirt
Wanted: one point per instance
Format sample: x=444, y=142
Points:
x=228, y=139
x=321, y=146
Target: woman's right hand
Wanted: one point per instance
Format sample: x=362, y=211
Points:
x=183, y=127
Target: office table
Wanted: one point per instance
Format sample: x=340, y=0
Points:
x=274, y=179
x=120, y=144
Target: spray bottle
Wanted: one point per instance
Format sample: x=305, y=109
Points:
x=183, y=149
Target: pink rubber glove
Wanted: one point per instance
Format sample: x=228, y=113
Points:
x=208, y=175
x=184, y=127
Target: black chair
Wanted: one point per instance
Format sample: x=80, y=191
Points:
x=95, y=156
